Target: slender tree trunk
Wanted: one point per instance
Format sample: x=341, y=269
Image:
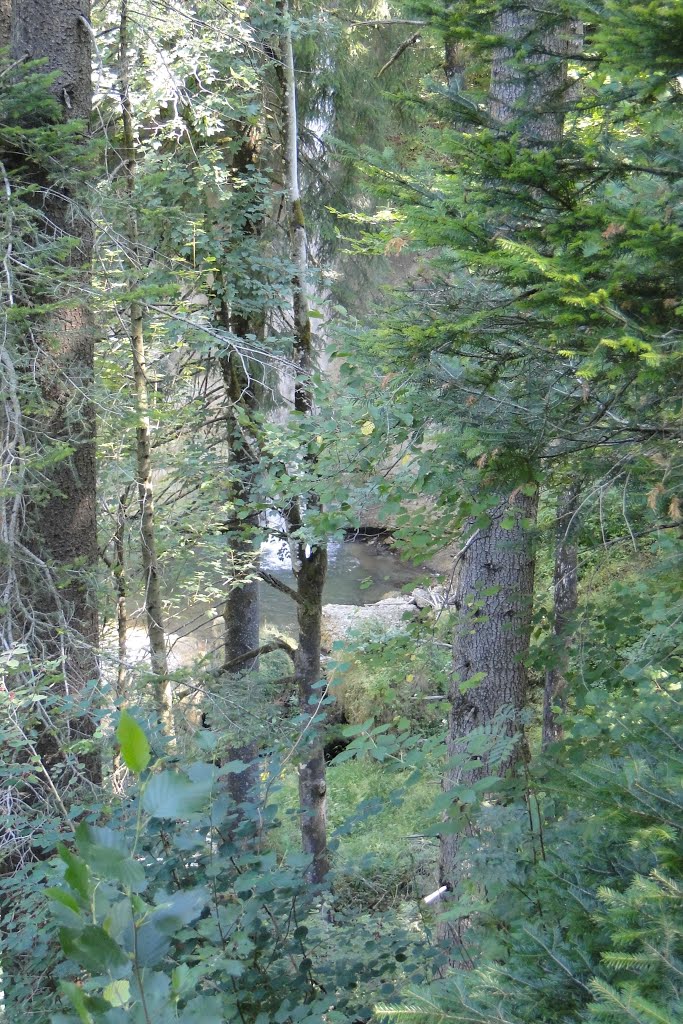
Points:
x=454, y=63
x=242, y=610
x=57, y=536
x=312, y=771
x=528, y=94
x=119, y=569
x=163, y=691
x=310, y=561
x=566, y=596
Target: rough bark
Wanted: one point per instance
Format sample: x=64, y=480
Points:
x=528, y=95
x=310, y=561
x=5, y=22
x=493, y=600
x=58, y=532
x=119, y=570
x=566, y=595
x=154, y=614
x=312, y=771
x=242, y=609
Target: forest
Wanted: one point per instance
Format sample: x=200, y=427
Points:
x=341, y=512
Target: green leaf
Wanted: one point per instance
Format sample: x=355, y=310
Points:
x=65, y=898
x=153, y=937
x=172, y=795
x=76, y=874
x=232, y=968
x=469, y=684
x=77, y=999
x=135, y=749
x=105, y=854
x=92, y=948
x=117, y=993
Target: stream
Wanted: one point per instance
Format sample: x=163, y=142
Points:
x=359, y=573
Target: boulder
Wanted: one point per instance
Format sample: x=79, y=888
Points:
x=388, y=616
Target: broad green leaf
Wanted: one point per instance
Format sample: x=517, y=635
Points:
x=135, y=749
x=153, y=938
x=65, y=898
x=76, y=874
x=117, y=992
x=92, y=948
x=172, y=795
x=76, y=997
x=105, y=853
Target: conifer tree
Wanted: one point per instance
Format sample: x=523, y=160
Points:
x=310, y=560
x=50, y=541
x=495, y=580
x=156, y=632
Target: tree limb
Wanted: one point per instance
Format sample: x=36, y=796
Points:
x=381, y=22
x=272, y=645
x=277, y=584
x=410, y=41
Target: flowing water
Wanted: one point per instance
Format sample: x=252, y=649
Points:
x=359, y=573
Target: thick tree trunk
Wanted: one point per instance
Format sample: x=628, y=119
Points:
x=163, y=691
x=242, y=609
x=310, y=561
x=566, y=596
x=493, y=599
x=528, y=95
x=58, y=535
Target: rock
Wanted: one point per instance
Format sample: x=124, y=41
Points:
x=388, y=615
x=432, y=597
x=422, y=597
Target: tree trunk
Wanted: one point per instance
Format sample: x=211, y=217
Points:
x=312, y=771
x=566, y=597
x=310, y=561
x=163, y=691
x=56, y=541
x=242, y=609
x=531, y=94
x=493, y=599
x=119, y=569
x=5, y=22
x=528, y=94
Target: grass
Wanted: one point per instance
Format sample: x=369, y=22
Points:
x=372, y=812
